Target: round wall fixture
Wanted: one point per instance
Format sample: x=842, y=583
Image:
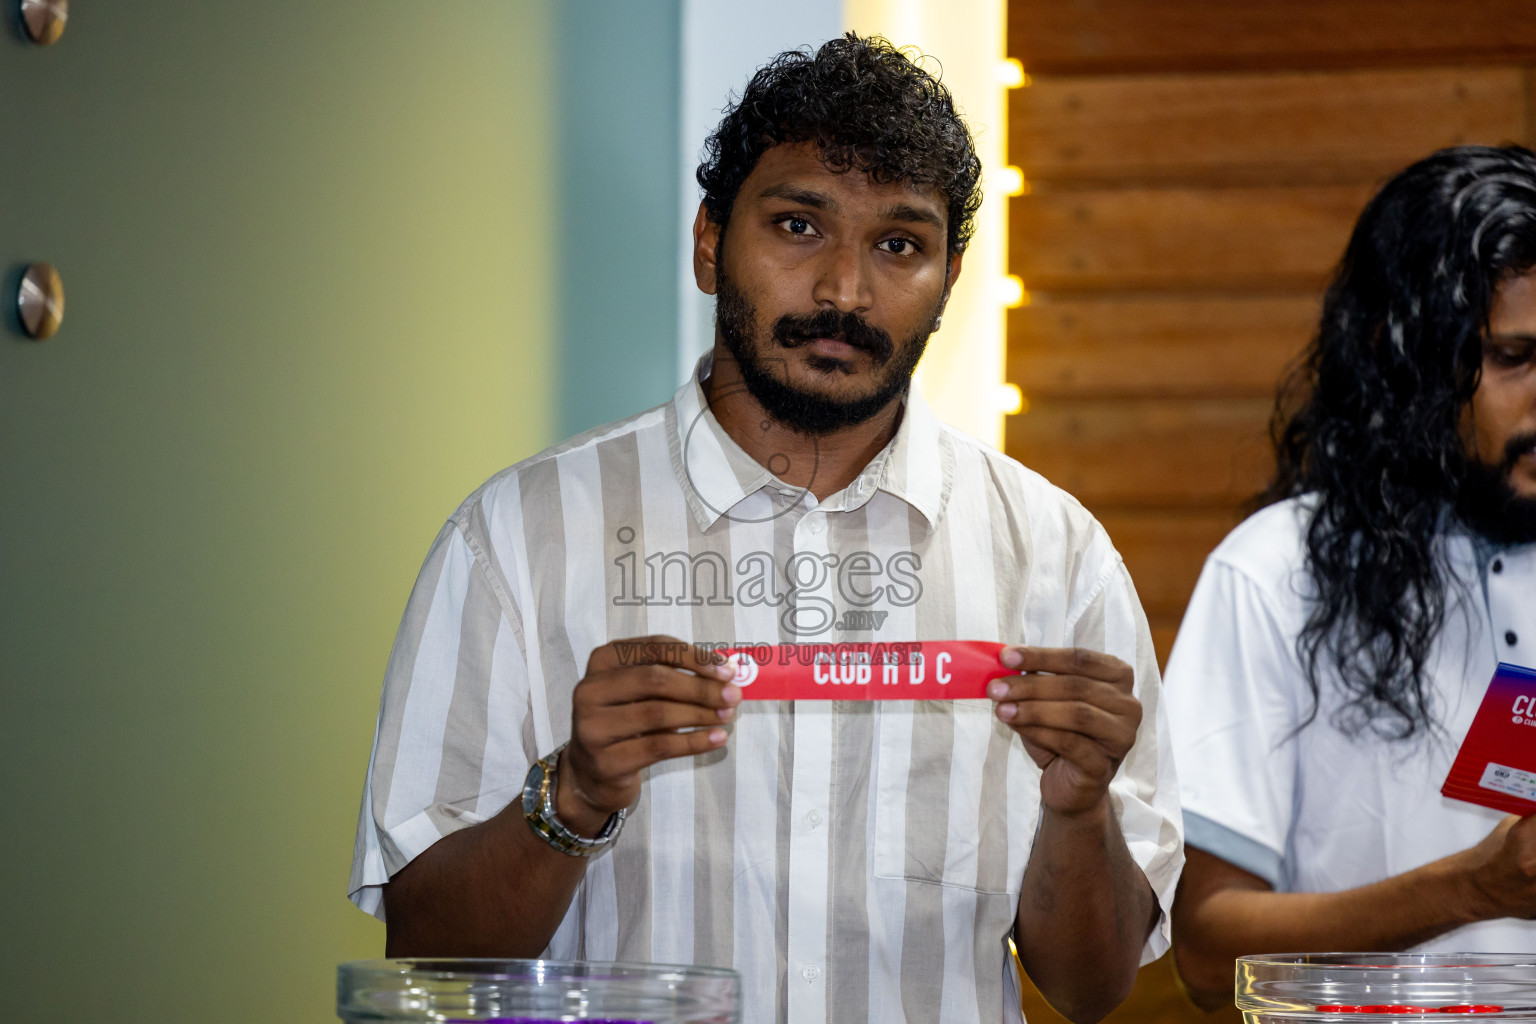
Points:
x=44, y=20
x=40, y=301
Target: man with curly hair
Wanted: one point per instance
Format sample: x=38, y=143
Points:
x=1339, y=642
x=854, y=860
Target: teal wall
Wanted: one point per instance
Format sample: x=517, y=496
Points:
x=309, y=255
x=617, y=107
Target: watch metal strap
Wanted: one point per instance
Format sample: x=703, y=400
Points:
x=539, y=811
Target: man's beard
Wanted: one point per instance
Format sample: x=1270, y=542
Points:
x=807, y=412
x=1489, y=503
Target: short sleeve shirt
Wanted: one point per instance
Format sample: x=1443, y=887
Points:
x=856, y=860
x=1318, y=810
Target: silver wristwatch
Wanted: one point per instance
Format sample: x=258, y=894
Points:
x=539, y=810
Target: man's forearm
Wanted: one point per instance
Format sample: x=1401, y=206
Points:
x=1392, y=914
x=494, y=889
x=1084, y=914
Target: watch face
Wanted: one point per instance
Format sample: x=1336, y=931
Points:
x=533, y=789
x=539, y=811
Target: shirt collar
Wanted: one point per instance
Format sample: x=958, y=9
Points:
x=716, y=474
x=1479, y=549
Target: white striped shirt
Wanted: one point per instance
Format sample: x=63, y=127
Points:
x=853, y=860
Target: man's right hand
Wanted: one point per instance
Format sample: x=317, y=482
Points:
x=496, y=889
x=628, y=713
x=1502, y=870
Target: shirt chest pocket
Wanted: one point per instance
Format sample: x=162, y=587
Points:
x=957, y=799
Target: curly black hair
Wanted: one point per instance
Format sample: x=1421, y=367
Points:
x=1369, y=423
x=867, y=106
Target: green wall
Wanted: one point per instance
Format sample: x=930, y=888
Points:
x=617, y=134
x=311, y=293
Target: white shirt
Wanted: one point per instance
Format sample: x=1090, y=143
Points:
x=854, y=860
x=1322, y=811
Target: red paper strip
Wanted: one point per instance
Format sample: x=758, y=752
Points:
x=932, y=670
x=1335, y=1008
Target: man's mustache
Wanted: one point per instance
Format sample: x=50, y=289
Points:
x=794, y=329
x=1519, y=445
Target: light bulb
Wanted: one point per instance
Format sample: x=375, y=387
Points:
x=1010, y=291
x=1010, y=400
x=1010, y=74
x=1010, y=180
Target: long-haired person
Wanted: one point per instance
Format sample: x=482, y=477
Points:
x=1340, y=640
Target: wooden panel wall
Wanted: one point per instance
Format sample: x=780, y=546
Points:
x=1194, y=170
x=1098, y=37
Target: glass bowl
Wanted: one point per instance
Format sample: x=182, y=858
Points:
x=447, y=991
x=1300, y=988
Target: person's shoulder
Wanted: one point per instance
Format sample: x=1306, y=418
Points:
x=1269, y=547
x=508, y=485
x=1021, y=488
x=1030, y=503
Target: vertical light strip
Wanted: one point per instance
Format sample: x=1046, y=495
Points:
x=962, y=375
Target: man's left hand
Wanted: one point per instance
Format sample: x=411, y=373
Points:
x=1076, y=714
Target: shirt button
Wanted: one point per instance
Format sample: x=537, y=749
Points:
x=1498, y=565
x=811, y=972
x=1510, y=638
x=813, y=818
x=816, y=525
